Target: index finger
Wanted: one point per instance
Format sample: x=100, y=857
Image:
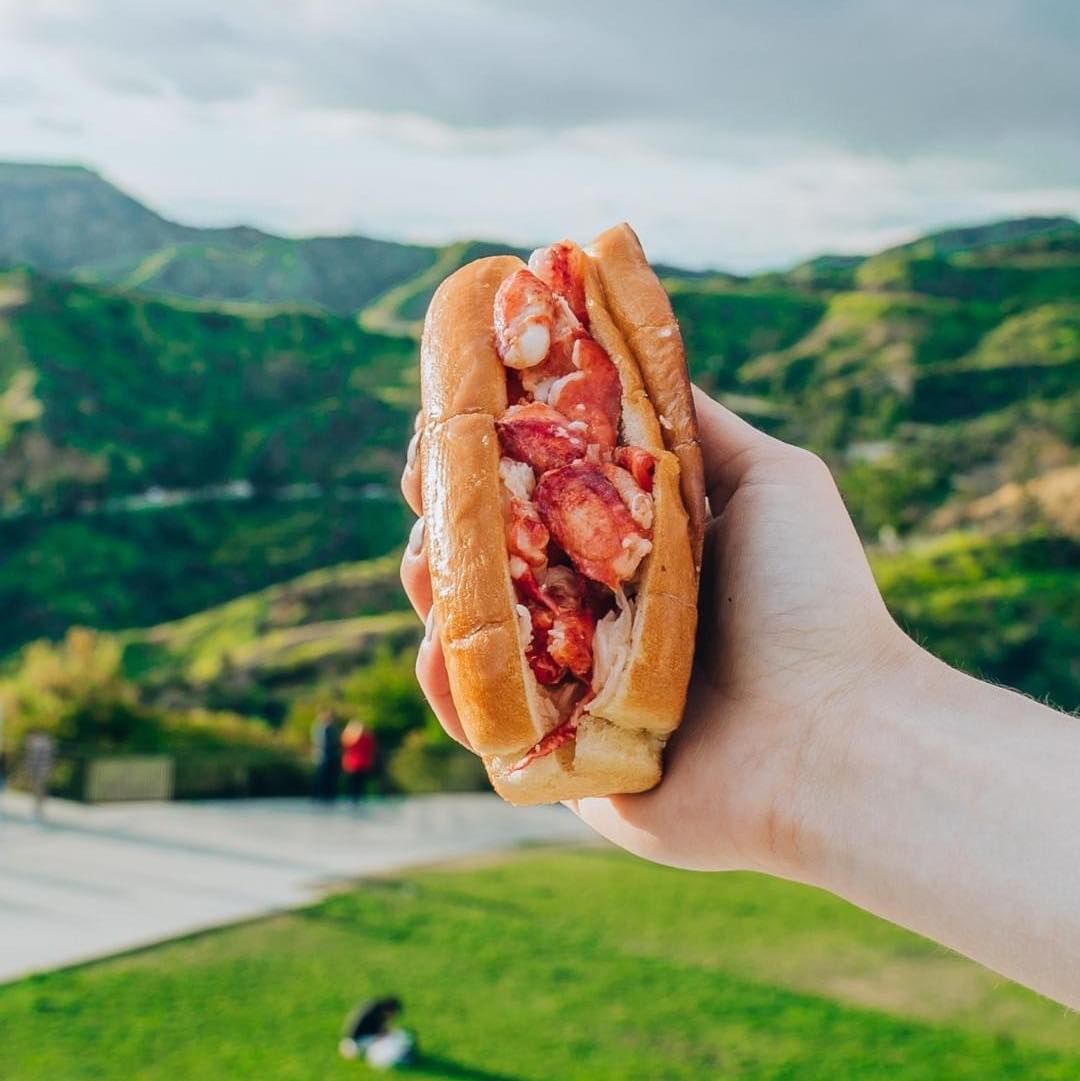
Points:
x=410, y=475
x=728, y=445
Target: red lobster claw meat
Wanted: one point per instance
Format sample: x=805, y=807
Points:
x=562, y=268
x=588, y=519
x=562, y=623
x=526, y=535
x=566, y=330
x=639, y=463
x=541, y=436
x=546, y=668
x=638, y=502
x=592, y=394
x=524, y=320
x=571, y=635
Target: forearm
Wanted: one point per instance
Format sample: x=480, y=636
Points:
x=953, y=808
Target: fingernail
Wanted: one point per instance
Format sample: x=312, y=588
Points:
x=416, y=536
x=418, y=420
x=410, y=454
x=429, y=625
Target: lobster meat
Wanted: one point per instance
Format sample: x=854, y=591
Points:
x=571, y=492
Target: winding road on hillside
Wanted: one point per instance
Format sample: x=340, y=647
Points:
x=236, y=491
x=92, y=881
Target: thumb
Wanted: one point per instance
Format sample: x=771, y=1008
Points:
x=729, y=447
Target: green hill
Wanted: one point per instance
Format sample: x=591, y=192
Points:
x=69, y=220
x=140, y=567
x=165, y=460
x=118, y=392
x=1009, y=235
x=340, y=274
x=1005, y=608
x=928, y=374
x=59, y=218
x=256, y=653
x=158, y=457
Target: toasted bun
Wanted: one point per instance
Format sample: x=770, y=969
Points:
x=603, y=760
x=503, y=710
x=651, y=691
x=642, y=311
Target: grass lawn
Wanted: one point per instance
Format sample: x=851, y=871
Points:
x=545, y=966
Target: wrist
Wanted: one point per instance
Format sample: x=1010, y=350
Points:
x=936, y=801
x=851, y=742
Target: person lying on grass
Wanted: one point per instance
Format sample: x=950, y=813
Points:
x=370, y=1031
x=822, y=745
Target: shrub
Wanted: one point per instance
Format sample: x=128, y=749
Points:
x=75, y=691
x=430, y=762
x=384, y=695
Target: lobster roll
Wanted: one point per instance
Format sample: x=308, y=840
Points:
x=564, y=504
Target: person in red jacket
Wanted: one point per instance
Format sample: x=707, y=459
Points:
x=357, y=757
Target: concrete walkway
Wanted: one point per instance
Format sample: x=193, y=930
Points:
x=90, y=881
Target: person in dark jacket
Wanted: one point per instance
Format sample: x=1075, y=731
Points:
x=369, y=1031
x=326, y=756
x=39, y=753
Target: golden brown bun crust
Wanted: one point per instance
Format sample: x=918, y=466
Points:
x=471, y=586
x=642, y=311
x=463, y=387
x=602, y=761
x=651, y=692
x=460, y=372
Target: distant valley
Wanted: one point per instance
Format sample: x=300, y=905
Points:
x=940, y=379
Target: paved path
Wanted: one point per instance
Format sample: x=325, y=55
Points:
x=91, y=881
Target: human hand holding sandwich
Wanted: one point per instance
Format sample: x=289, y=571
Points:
x=821, y=744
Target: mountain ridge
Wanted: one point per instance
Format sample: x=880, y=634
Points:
x=940, y=380
x=71, y=220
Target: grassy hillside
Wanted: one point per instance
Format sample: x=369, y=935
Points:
x=257, y=653
x=136, y=568
x=340, y=274
x=69, y=220
x=920, y=389
x=59, y=218
x=163, y=461
x=715, y=976
x=1005, y=608
x=726, y=325
x=121, y=392
x=158, y=457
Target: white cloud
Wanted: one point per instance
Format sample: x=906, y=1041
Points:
x=734, y=135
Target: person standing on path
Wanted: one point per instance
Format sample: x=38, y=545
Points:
x=40, y=758
x=358, y=751
x=326, y=755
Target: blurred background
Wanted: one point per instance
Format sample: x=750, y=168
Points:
x=220, y=227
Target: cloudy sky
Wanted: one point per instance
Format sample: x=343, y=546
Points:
x=735, y=134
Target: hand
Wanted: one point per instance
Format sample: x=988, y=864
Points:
x=821, y=744
x=792, y=629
